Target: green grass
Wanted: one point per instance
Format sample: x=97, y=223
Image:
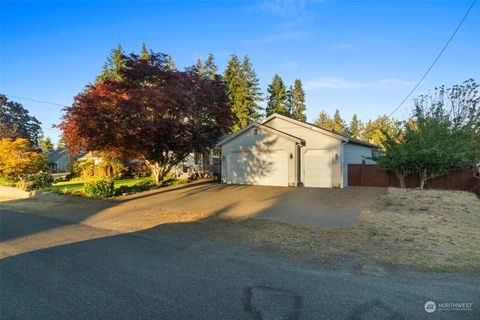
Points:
x=75, y=186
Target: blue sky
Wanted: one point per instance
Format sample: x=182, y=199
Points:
x=360, y=57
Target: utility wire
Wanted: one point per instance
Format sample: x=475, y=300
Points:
x=436, y=59
x=35, y=100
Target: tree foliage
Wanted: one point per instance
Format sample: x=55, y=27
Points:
x=15, y=122
x=355, y=128
x=439, y=137
x=324, y=121
x=277, y=97
x=338, y=124
x=46, y=144
x=243, y=91
x=152, y=113
x=377, y=130
x=111, y=69
x=296, y=101
x=17, y=158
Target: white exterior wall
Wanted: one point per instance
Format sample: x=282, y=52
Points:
x=314, y=140
x=261, y=140
x=355, y=154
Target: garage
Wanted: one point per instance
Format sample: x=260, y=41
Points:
x=259, y=167
x=318, y=168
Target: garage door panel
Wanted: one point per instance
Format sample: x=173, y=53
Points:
x=259, y=167
x=318, y=168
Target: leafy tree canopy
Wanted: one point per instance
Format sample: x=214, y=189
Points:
x=46, y=144
x=15, y=122
x=17, y=158
x=152, y=113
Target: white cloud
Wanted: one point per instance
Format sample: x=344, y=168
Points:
x=283, y=7
x=341, y=83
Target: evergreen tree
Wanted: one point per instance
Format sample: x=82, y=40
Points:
x=60, y=143
x=145, y=55
x=46, y=144
x=243, y=92
x=199, y=66
x=338, y=124
x=324, y=121
x=355, y=128
x=112, y=66
x=296, y=101
x=170, y=64
x=210, y=68
x=253, y=91
x=277, y=97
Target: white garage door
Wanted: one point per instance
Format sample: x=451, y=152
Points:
x=268, y=168
x=318, y=168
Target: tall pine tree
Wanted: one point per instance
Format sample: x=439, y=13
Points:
x=338, y=124
x=296, y=101
x=277, y=97
x=211, y=70
x=111, y=68
x=355, y=128
x=170, y=64
x=243, y=91
x=324, y=121
x=145, y=55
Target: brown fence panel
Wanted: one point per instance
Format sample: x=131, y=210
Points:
x=371, y=175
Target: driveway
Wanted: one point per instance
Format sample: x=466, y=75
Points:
x=54, y=269
x=304, y=206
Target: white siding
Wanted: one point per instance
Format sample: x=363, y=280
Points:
x=314, y=140
x=354, y=154
x=255, y=143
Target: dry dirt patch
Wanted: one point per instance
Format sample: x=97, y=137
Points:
x=426, y=230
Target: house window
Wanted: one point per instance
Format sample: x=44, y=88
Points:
x=53, y=167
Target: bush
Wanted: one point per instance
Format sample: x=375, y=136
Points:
x=99, y=188
x=139, y=187
x=84, y=168
x=35, y=181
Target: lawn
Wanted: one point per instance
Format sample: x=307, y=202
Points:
x=75, y=187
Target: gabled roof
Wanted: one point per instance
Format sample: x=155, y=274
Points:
x=261, y=127
x=332, y=133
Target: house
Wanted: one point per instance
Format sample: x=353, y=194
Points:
x=281, y=151
x=60, y=160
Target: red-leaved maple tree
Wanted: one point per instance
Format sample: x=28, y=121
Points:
x=152, y=113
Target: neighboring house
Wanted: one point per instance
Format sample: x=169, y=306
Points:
x=60, y=160
x=281, y=151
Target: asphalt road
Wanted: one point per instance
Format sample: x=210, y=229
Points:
x=55, y=270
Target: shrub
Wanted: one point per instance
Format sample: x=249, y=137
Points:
x=84, y=168
x=35, y=181
x=99, y=188
x=139, y=187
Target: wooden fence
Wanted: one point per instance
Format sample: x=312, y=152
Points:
x=372, y=175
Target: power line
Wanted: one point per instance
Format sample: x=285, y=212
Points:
x=436, y=59
x=36, y=100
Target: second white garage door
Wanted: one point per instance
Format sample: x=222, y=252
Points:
x=318, y=168
x=261, y=167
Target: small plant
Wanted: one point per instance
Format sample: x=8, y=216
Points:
x=99, y=188
x=36, y=181
x=139, y=187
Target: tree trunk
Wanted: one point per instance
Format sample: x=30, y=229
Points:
x=401, y=178
x=158, y=171
x=423, y=179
